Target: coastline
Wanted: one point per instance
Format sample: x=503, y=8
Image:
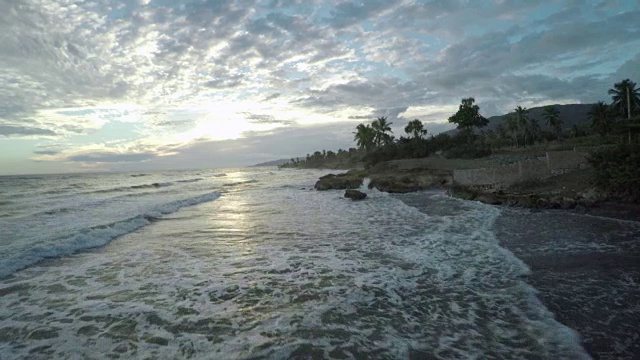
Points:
x=580, y=245
x=585, y=269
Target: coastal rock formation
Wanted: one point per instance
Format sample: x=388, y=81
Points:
x=525, y=200
x=394, y=184
x=351, y=180
x=409, y=182
x=354, y=194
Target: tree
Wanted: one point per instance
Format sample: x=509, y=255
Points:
x=364, y=137
x=626, y=98
x=534, y=129
x=381, y=126
x=600, y=119
x=468, y=116
x=416, y=129
x=552, y=115
x=491, y=138
x=502, y=133
x=522, y=120
x=513, y=128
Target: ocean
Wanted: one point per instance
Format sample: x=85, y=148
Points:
x=253, y=263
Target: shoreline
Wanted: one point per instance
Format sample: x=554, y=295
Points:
x=569, y=191
x=584, y=270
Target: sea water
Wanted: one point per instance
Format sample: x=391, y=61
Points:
x=253, y=263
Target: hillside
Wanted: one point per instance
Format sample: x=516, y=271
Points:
x=570, y=114
x=274, y=162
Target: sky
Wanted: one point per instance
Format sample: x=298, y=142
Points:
x=105, y=85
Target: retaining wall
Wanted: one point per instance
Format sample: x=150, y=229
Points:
x=565, y=160
x=556, y=162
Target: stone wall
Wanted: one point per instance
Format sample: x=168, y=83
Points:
x=556, y=162
x=566, y=160
x=538, y=169
x=506, y=174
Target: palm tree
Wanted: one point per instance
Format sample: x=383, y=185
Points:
x=552, y=115
x=513, y=127
x=381, y=126
x=522, y=120
x=364, y=136
x=416, y=129
x=534, y=129
x=625, y=96
x=490, y=138
x=599, y=116
x=502, y=132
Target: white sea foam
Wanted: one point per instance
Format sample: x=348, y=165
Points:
x=20, y=256
x=284, y=273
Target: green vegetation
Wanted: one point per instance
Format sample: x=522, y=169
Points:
x=552, y=115
x=617, y=167
x=600, y=118
x=468, y=117
x=626, y=98
x=617, y=171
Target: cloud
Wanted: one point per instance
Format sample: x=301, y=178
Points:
x=109, y=157
x=46, y=152
x=179, y=71
x=267, y=119
x=9, y=130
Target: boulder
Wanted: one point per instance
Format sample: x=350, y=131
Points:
x=463, y=192
x=339, y=182
x=395, y=184
x=354, y=194
x=489, y=198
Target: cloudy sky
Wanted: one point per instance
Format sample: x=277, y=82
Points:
x=91, y=85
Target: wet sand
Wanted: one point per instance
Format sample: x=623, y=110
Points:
x=587, y=271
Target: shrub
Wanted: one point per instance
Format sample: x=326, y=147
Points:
x=403, y=149
x=617, y=171
x=468, y=151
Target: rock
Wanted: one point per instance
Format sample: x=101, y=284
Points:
x=354, y=194
x=463, y=193
x=488, y=198
x=568, y=203
x=339, y=182
x=392, y=184
x=586, y=203
x=122, y=348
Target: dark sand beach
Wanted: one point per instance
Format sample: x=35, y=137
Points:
x=587, y=271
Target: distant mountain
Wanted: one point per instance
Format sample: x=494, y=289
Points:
x=570, y=114
x=273, y=163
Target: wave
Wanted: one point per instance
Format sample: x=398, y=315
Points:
x=189, y=180
x=152, y=185
x=240, y=183
x=92, y=237
x=54, y=211
x=133, y=187
x=55, y=191
x=138, y=175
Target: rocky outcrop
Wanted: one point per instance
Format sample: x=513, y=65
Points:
x=526, y=200
x=354, y=194
x=403, y=182
x=393, y=184
x=351, y=180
